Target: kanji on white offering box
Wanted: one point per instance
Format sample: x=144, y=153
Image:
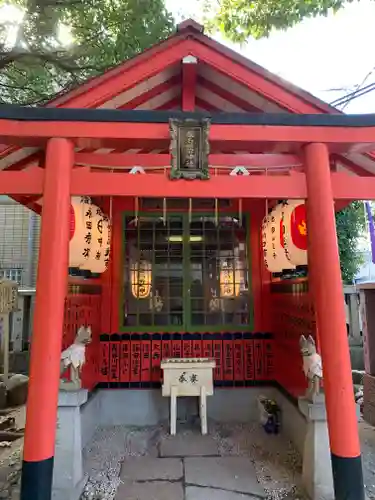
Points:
x=188, y=377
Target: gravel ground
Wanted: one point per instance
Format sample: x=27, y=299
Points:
x=277, y=464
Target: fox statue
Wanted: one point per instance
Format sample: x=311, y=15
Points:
x=74, y=358
x=312, y=365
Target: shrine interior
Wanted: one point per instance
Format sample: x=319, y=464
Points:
x=188, y=279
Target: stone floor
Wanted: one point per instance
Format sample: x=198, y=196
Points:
x=234, y=462
x=276, y=464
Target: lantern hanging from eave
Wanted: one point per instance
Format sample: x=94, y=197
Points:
x=270, y=263
x=107, y=244
x=273, y=251
x=96, y=262
x=80, y=232
x=230, y=278
x=295, y=232
x=141, y=279
x=278, y=254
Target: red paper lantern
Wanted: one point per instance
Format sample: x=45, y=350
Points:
x=295, y=232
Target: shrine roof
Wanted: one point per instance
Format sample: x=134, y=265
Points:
x=10, y=112
x=228, y=87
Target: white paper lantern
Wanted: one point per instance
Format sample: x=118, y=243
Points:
x=80, y=240
x=273, y=251
x=269, y=260
x=295, y=232
x=107, y=246
x=99, y=240
x=278, y=254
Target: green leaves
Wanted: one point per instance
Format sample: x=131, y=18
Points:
x=237, y=20
x=350, y=223
x=37, y=64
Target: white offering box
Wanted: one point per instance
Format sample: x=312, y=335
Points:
x=188, y=377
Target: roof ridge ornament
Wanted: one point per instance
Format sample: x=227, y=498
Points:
x=190, y=25
x=189, y=60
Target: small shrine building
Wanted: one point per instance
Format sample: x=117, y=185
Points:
x=197, y=157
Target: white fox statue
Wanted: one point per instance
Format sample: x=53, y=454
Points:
x=74, y=358
x=312, y=365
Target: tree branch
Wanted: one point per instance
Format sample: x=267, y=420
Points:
x=53, y=58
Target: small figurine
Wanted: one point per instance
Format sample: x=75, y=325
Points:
x=312, y=365
x=214, y=304
x=270, y=415
x=156, y=302
x=74, y=358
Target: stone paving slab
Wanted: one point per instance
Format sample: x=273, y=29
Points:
x=149, y=469
x=195, y=493
x=155, y=490
x=236, y=474
x=189, y=445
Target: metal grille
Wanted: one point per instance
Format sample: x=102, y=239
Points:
x=19, y=242
x=189, y=274
x=13, y=274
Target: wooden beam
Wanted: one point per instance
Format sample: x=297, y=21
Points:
x=293, y=137
x=258, y=83
x=127, y=76
x=173, y=105
x=162, y=160
x=350, y=165
x=80, y=131
x=30, y=183
x=349, y=187
x=345, y=187
x=189, y=83
x=201, y=103
x=27, y=182
x=234, y=137
x=150, y=94
x=227, y=96
x=87, y=183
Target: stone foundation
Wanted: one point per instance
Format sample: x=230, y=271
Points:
x=68, y=477
x=146, y=407
x=126, y=407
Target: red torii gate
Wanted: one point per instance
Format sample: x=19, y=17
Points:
x=60, y=180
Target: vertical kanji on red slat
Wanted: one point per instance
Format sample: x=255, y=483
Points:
x=207, y=350
x=114, y=358
x=146, y=358
x=135, y=364
x=238, y=357
x=187, y=346
x=259, y=358
x=268, y=351
x=156, y=358
x=166, y=346
x=104, y=358
x=248, y=344
x=125, y=358
x=228, y=357
x=217, y=346
x=197, y=345
x=176, y=345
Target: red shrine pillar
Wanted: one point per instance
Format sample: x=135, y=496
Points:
x=331, y=323
x=51, y=289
